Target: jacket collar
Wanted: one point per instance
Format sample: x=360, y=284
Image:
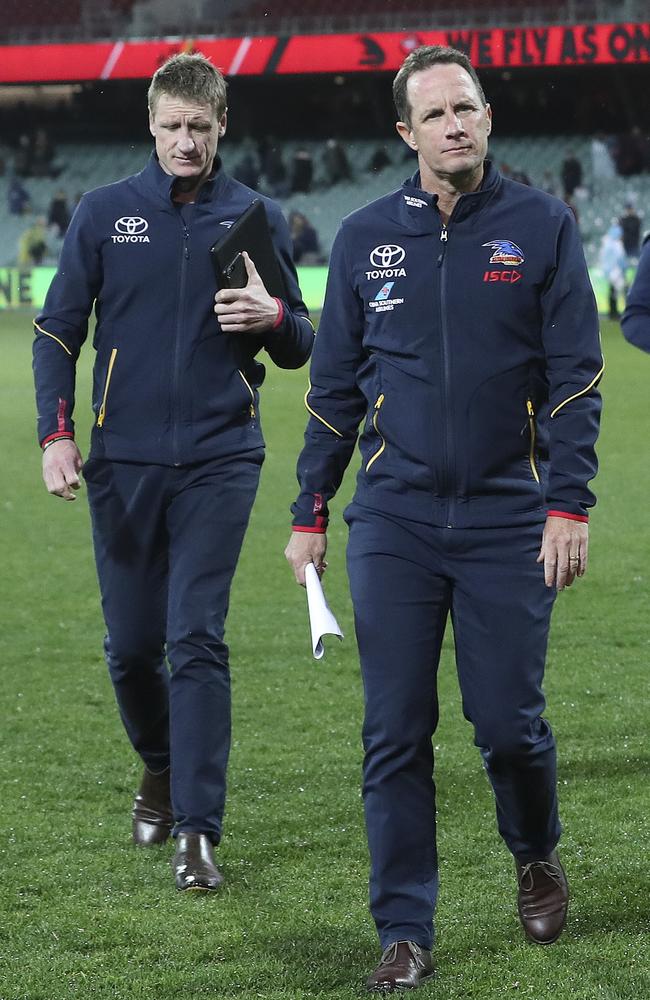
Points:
x=467, y=204
x=156, y=179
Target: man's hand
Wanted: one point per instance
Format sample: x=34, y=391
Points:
x=62, y=463
x=564, y=551
x=306, y=547
x=246, y=310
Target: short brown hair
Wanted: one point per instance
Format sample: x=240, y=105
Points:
x=192, y=77
x=423, y=58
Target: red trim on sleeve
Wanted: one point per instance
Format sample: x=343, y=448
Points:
x=60, y=415
x=57, y=436
x=280, y=315
x=312, y=531
x=569, y=517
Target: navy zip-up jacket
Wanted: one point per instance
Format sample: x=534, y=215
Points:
x=635, y=321
x=471, y=355
x=169, y=387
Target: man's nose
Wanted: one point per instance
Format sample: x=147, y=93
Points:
x=453, y=123
x=185, y=140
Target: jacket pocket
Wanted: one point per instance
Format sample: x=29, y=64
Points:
x=533, y=440
x=101, y=416
x=375, y=423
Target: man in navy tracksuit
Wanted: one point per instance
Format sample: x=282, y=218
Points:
x=635, y=321
x=176, y=447
x=460, y=330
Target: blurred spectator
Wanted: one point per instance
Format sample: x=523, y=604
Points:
x=306, y=247
x=378, y=160
x=602, y=164
x=630, y=153
x=43, y=164
x=302, y=171
x=571, y=174
x=335, y=163
x=274, y=171
x=32, y=245
x=613, y=263
x=23, y=156
x=630, y=223
x=247, y=172
x=17, y=197
x=58, y=215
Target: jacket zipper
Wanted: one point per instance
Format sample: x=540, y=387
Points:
x=449, y=439
x=102, y=409
x=533, y=439
x=375, y=420
x=175, y=404
x=251, y=408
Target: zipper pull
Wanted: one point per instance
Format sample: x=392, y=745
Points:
x=529, y=407
x=186, y=236
x=443, y=234
x=380, y=400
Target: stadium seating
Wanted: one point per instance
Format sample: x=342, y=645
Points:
x=88, y=166
x=87, y=19
x=296, y=16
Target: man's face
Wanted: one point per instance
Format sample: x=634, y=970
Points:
x=449, y=124
x=186, y=137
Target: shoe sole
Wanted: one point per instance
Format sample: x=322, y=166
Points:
x=400, y=989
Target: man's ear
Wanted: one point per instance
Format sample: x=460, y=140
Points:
x=405, y=133
x=223, y=124
x=488, y=112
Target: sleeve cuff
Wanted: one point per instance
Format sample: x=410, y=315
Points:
x=570, y=517
x=280, y=316
x=58, y=436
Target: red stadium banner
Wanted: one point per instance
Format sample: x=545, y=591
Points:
x=583, y=44
x=557, y=45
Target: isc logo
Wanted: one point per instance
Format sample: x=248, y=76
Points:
x=509, y=276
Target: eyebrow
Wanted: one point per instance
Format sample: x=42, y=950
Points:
x=461, y=102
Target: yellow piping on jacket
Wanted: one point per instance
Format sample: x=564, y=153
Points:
x=314, y=414
x=60, y=342
x=248, y=386
x=374, y=458
x=102, y=409
x=582, y=392
x=533, y=435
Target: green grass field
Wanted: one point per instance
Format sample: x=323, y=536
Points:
x=83, y=914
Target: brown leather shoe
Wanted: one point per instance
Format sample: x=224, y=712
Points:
x=193, y=863
x=152, y=809
x=543, y=898
x=403, y=966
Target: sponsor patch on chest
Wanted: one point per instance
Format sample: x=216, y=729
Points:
x=130, y=229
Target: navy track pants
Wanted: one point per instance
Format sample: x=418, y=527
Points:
x=167, y=541
x=406, y=579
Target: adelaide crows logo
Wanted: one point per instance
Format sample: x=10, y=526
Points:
x=505, y=252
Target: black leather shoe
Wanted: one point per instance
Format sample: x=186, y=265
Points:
x=193, y=863
x=152, y=809
x=543, y=898
x=403, y=966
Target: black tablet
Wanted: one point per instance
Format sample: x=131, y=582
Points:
x=250, y=232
